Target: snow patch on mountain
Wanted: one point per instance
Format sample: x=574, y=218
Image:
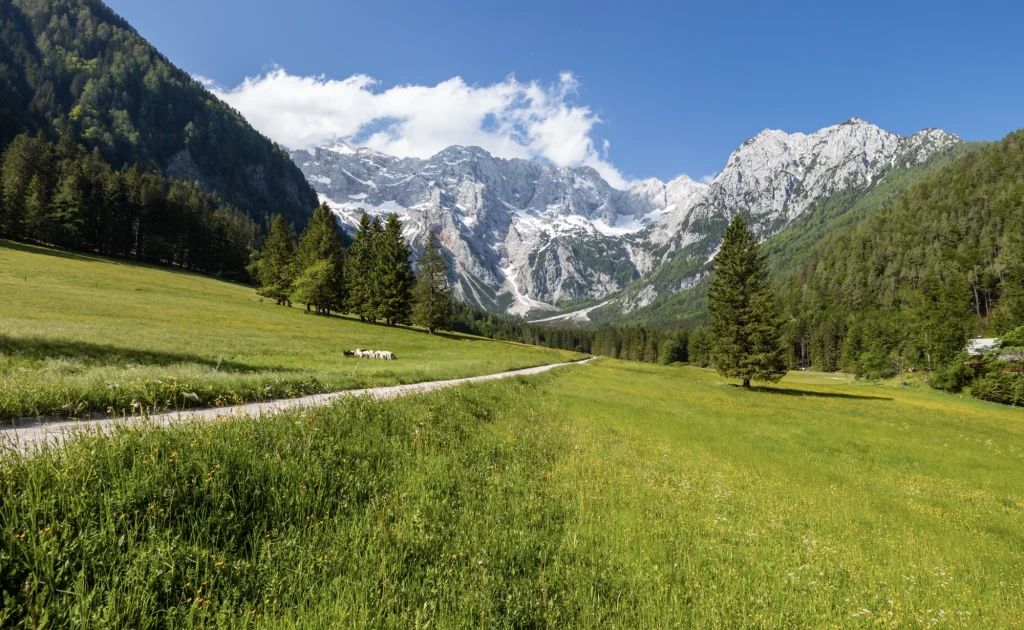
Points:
x=524, y=236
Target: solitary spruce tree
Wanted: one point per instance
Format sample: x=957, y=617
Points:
x=394, y=275
x=745, y=323
x=274, y=268
x=433, y=307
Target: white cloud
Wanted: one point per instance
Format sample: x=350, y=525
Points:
x=707, y=179
x=509, y=119
x=205, y=80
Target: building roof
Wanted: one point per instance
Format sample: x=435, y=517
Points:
x=977, y=347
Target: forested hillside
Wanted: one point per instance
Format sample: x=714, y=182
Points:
x=905, y=286
x=92, y=91
x=788, y=250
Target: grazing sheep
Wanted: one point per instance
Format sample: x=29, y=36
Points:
x=385, y=355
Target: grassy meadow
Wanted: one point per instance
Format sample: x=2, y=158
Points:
x=611, y=495
x=82, y=334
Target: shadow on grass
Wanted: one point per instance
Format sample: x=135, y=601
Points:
x=106, y=354
x=459, y=336
x=51, y=251
x=47, y=250
x=813, y=394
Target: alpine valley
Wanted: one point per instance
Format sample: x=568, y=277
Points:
x=561, y=244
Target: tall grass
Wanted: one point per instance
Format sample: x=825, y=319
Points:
x=366, y=513
x=82, y=335
x=607, y=495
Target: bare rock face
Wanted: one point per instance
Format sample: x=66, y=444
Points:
x=524, y=236
x=771, y=180
x=183, y=166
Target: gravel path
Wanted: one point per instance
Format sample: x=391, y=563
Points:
x=24, y=434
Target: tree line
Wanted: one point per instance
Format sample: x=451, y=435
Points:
x=369, y=276
x=628, y=343
x=59, y=193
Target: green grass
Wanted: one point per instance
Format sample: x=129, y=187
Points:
x=613, y=495
x=82, y=334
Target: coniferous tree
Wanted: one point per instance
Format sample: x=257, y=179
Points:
x=274, y=270
x=20, y=164
x=744, y=324
x=313, y=286
x=394, y=275
x=698, y=348
x=61, y=195
x=937, y=330
x=66, y=208
x=361, y=269
x=318, y=266
x=374, y=292
x=433, y=302
x=37, y=210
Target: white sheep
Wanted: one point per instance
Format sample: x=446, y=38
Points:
x=385, y=355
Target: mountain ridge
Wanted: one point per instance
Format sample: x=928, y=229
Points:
x=524, y=236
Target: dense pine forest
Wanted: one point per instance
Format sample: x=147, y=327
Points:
x=59, y=194
x=100, y=132
x=905, y=287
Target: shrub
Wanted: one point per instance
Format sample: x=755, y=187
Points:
x=1001, y=387
x=1014, y=338
x=953, y=377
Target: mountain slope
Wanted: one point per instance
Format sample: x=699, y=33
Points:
x=946, y=257
x=772, y=180
x=789, y=249
x=74, y=66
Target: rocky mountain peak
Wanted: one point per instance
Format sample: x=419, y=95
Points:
x=524, y=235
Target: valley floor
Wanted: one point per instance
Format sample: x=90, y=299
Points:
x=614, y=494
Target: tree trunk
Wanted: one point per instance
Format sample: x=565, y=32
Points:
x=746, y=383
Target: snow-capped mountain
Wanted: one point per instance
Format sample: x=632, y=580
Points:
x=521, y=235
x=772, y=179
x=524, y=236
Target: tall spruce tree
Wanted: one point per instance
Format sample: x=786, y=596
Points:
x=745, y=322
x=273, y=271
x=394, y=275
x=373, y=279
x=433, y=302
x=361, y=270
x=319, y=264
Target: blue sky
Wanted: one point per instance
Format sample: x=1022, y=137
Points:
x=676, y=87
